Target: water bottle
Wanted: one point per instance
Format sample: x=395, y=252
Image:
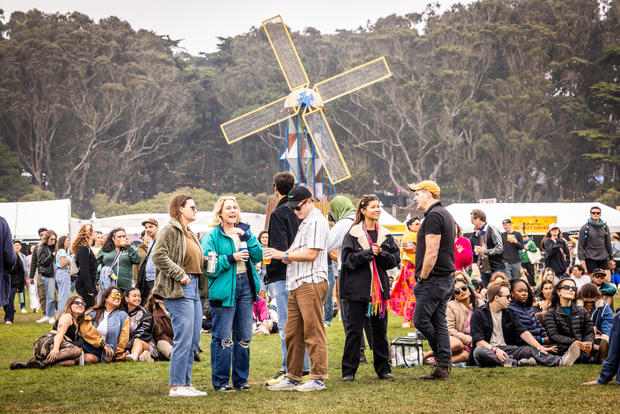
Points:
x=243, y=246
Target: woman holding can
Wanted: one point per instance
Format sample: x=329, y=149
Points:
x=180, y=282
x=233, y=289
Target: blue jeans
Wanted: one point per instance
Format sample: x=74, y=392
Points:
x=186, y=316
x=277, y=290
x=611, y=365
x=9, y=308
x=328, y=303
x=50, y=294
x=63, y=283
x=238, y=320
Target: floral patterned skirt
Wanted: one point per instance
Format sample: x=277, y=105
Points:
x=402, y=299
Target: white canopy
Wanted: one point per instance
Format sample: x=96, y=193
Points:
x=570, y=216
x=397, y=228
x=25, y=218
x=132, y=223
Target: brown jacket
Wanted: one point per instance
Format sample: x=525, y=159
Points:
x=91, y=335
x=168, y=257
x=456, y=318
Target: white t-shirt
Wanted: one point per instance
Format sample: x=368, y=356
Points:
x=103, y=325
x=497, y=337
x=581, y=280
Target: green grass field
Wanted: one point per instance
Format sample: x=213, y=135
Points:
x=140, y=387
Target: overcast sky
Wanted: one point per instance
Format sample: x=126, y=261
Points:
x=199, y=23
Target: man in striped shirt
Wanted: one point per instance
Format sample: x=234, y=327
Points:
x=306, y=280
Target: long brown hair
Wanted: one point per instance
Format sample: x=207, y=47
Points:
x=547, y=236
x=83, y=237
x=175, y=205
x=363, y=203
x=67, y=309
x=99, y=308
x=60, y=243
x=47, y=236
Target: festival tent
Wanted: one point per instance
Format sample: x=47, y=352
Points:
x=535, y=216
x=25, y=218
x=397, y=228
x=132, y=223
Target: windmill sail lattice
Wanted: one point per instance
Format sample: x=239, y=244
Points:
x=310, y=110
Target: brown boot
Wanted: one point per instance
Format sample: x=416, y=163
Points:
x=603, y=350
x=439, y=373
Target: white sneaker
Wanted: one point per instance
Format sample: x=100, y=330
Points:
x=132, y=358
x=310, y=385
x=43, y=319
x=24, y=310
x=8, y=323
x=181, y=392
x=570, y=356
x=146, y=357
x=195, y=391
x=51, y=321
x=286, y=384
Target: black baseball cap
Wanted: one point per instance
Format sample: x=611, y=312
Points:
x=598, y=272
x=297, y=195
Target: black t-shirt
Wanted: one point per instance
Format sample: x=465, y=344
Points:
x=437, y=220
x=373, y=235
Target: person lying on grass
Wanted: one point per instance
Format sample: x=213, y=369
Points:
x=112, y=324
x=63, y=345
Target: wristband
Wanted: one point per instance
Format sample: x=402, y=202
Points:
x=286, y=256
x=539, y=348
x=492, y=348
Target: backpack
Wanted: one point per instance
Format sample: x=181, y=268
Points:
x=107, y=277
x=74, y=269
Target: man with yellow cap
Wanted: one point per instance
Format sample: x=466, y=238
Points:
x=434, y=258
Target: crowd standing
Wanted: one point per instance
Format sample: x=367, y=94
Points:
x=491, y=299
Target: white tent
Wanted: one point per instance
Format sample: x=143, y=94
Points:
x=132, y=223
x=25, y=218
x=397, y=228
x=568, y=216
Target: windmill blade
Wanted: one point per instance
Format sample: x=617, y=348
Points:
x=257, y=120
x=285, y=52
x=326, y=146
x=353, y=79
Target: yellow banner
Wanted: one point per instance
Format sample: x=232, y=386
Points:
x=533, y=225
x=397, y=229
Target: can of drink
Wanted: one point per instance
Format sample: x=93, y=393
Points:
x=211, y=262
x=243, y=246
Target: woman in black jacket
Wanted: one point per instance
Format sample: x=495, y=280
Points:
x=141, y=346
x=568, y=324
x=368, y=251
x=45, y=264
x=557, y=256
x=85, y=259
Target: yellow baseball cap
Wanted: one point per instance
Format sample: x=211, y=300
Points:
x=428, y=185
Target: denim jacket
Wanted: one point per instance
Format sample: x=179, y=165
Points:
x=118, y=330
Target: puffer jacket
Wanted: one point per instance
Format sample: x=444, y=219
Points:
x=529, y=320
x=168, y=257
x=356, y=271
x=563, y=331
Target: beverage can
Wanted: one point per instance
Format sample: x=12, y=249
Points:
x=211, y=262
x=243, y=246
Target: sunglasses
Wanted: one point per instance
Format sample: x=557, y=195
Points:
x=599, y=275
x=298, y=208
x=508, y=296
x=573, y=288
x=590, y=302
x=595, y=213
x=79, y=303
x=115, y=295
x=52, y=239
x=458, y=291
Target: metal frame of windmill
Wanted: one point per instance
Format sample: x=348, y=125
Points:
x=300, y=114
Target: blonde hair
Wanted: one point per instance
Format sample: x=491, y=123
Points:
x=83, y=237
x=219, y=207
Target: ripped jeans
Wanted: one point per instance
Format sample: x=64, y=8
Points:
x=238, y=321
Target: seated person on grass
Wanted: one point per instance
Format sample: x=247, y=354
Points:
x=567, y=324
x=590, y=298
x=611, y=366
x=112, y=324
x=543, y=299
x=547, y=274
x=162, y=327
x=521, y=304
x=607, y=289
x=496, y=331
x=63, y=345
x=141, y=346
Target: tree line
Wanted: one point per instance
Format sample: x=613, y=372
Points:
x=517, y=100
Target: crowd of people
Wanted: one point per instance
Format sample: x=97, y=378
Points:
x=478, y=300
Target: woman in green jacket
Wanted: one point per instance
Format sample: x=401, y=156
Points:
x=180, y=282
x=233, y=289
x=121, y=256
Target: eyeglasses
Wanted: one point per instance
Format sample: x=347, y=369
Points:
x=458, y=291
x=78, y=302
x=52, y=239
x=598, y=275
x=595, y=213
x=589, y=302
x=115, y=295
x=298, y=208
x=566, y=287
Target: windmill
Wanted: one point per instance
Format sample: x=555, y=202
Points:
x=300, y=114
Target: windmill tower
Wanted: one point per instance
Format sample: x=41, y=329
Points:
x=307, y=145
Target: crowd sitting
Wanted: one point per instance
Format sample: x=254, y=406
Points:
x=150, y=302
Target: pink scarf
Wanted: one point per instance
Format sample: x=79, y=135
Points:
x=377, y=304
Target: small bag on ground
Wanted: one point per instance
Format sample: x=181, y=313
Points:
x=406, y=351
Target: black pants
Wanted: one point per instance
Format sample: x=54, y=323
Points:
x=81, y=290
x=429, y=316
x=367, y=328
x=145, y=290
x=356, y=317
x=487, y=358
x=529, y=269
